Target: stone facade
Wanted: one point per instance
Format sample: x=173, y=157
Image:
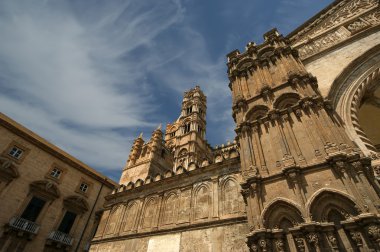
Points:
x=45, y=204
x=302, y=174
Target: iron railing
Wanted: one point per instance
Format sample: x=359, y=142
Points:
x=61, y=238
x=24, y=225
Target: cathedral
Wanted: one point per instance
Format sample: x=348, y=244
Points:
x=303, y=171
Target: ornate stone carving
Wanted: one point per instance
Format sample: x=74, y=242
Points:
x=357, y=25
x=343, y=11
x=332, y=239
x=263, y=245
x=254, y=247
x=324, y=42
x=374, y=233
x=280, y=245
x=300, y=244
x=357, y=238
x=313, y=239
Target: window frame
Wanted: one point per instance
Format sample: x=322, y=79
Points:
x=14, y=144
x=89, y=184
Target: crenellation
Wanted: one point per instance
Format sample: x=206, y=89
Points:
x=293, y=179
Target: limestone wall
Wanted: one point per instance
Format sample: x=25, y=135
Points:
x=221, y=239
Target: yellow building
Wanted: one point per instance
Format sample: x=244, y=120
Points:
x=49, y=200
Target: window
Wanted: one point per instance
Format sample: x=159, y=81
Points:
x=55, y=173
x=67, y=222
x=33, y=209
x=83, y=187
x=172, y=134
x=199, y=129
x=189, y=110
x=15, y=152
x=187, y=128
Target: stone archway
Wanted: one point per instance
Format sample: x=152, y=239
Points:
x=350, y=94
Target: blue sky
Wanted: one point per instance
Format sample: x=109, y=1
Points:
x=89, y=76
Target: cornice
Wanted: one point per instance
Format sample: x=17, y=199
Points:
x=53, y=150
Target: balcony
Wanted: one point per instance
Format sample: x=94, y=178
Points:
x=24, y=225
x=60, y=237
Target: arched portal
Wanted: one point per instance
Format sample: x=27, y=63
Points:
x=355, y=97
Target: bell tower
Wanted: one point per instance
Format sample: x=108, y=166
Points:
x=186, y=136
x=291, y=144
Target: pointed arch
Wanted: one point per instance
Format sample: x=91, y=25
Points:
x=130, y=185
x=231, y=200
x=157, y=177
x=325, y=200
x=191, y=166
x=286, y=100
x=180, y=170
x=149, y=216
x=202, y=201
x=114, y=220
x=139, y=182
x=131, y=216
x=282, y=213
x=168, y=174
x=148, y=180
x=170, y=208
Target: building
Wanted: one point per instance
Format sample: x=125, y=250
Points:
x=303, y=172
x=49, y=199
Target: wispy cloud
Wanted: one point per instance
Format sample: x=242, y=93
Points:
x=67, y=72
x=88, y=75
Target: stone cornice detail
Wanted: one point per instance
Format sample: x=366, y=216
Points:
x=321, y=41
x=332, y=17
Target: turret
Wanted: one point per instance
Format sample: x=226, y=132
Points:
x=136, y=150
x=156, y=140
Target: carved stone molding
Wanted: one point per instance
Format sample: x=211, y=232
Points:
x=8, y=169
x=357, y=238
x=347, y=98
x=337, y=24
x=45, y=189
x=76, y=204
x=300, y=244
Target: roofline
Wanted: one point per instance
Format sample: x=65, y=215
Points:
x=312, y=19
x=35, y=139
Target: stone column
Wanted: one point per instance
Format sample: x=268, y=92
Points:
x=341, y=167
x=366, y=187
x=293, y=176
x=215, y=198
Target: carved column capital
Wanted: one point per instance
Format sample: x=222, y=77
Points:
x=332, y=240
x=254, y=247
x=300, y=244
x=374, y=233
x=273, y=115
x=280, y=245
x=263, y=245
x=357, y=238
x=313, y=239
x=245, y=193
x=298, y=112
x=358, y=166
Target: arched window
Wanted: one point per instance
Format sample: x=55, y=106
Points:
x=189, y=110
x=187, y=128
